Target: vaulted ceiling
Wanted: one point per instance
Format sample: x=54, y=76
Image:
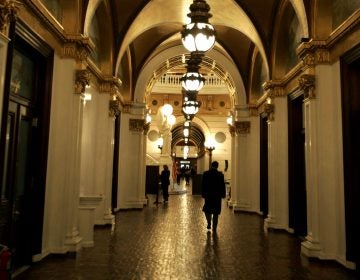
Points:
x=144, y=29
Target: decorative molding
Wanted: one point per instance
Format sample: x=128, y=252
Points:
x=136, y=125
x=82, y=80
x=314, y=52
x=77, y=47
x=307, y=85
x=47, y=20
x=269, y=110
x=110, y=85
x=242, y=127
x=274, y=89
x=114, y=108
x=8, y=12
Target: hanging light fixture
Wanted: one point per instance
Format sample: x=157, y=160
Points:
x=190, y=106
x=199, y=34
x=192, y=79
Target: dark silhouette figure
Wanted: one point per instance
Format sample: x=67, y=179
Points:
x=165, y=182
x=213, y=190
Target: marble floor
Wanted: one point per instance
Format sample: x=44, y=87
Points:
x=170, y=241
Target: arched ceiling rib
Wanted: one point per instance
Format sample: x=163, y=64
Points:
x=153, y=15
x=154, y=64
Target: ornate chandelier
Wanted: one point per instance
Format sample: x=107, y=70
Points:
x=199, y=34
x=193, y=80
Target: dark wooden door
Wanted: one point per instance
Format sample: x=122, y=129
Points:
x=264, y=196
x=152, y=179
x=350, y=87
x=297, y=176
x=24, y=142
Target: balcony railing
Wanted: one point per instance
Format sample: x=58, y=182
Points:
x=172, y=84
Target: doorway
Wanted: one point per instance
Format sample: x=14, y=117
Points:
x=350, y=88
x=24, y=143
x=297, y=175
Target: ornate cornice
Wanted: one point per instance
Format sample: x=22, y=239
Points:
x=242, y=127
x=307, y=84
x=82, y=79
x=8, y=12
x=274, y=89
x=77, y=47
x=314, y=52
x=110, y=85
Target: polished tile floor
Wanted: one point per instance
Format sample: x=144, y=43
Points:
x=170, y=241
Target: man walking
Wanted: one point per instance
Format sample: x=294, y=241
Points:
x=213, y=190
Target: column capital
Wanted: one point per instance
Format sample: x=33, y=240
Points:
x=242, y=127
x=82, y=79
x=114, y=108
x=307, y=84
x=232, y=130
x=8, y=12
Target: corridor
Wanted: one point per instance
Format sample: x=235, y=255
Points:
x=170, y=241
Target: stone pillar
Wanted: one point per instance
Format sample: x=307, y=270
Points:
x=311, y=247
x=233, y=183
x=278, y=159
x=132, y=151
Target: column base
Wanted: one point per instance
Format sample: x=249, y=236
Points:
x=311, y=248
x=241, y=206
x=231, y=203
x=269, y=222
x=73, y=242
